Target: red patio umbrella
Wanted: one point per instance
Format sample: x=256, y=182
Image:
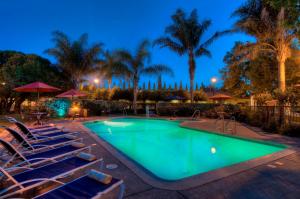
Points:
x=220, y=97
x=36, y=87
x=71, y=93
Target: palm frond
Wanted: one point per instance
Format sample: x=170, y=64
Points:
x=142, y=53
x=168, y=42
x=157, y=69
x=213, y=38
x=203, y=52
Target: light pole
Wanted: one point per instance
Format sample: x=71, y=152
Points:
x=96, y=81
x=213, y=81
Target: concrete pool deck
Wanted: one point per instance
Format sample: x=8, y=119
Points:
x=279, y=178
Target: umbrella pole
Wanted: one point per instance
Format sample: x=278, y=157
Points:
x=38, y=99
x=72, y=106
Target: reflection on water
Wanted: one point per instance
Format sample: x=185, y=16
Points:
x=117, y=124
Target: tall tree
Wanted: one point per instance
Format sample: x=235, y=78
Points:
x=135, y=65
x=75, y=58
x=108, y=67
x=175, y=86
x=149, y=85
x=165, y=86
x=275, y=25
x=180, y=85
x=184, y=36
x=17, y=69
x=242, y=76
x=159, y=82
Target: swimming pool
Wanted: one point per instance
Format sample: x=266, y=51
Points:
x=171, y=152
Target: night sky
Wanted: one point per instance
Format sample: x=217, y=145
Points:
x=27, y=25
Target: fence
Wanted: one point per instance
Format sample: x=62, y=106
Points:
x=281, y=114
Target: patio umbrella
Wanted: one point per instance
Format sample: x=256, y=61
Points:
x=71, y=94
x=36, y=87
x=220, y=97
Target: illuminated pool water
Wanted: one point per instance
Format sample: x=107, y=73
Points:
x=171, y=152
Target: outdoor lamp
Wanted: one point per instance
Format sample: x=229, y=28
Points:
x=96, y=81
x=213, y=80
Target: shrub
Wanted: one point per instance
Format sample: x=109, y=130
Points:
x=290, y=130
x=183, y=109
x=99, y=107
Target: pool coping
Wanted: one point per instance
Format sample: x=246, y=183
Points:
x=193, y=181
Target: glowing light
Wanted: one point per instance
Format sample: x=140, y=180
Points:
x=59, y=106
x=96, y=81
x=116, y=124
x=213, y=150
x=75, y=108
x=213, y=80
x=3, y=83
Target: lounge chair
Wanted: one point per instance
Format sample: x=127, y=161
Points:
x=33, y=178
x=26, y=129
x=37, y=146
x=48, y=136
x=30, y=159
x=85, y=187
x=38, y=129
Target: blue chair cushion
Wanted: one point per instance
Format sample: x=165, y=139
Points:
x=50, y=170
x=84, y=187
x=44, y=130
x=54, y=134
x=51, y=153
x=51, y=142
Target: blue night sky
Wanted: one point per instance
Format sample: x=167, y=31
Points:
x=26, y=26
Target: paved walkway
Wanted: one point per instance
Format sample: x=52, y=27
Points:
x=278, y=179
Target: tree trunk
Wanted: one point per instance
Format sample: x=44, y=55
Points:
x=135, y=93
x=282, y=88
x=281, y=75
x=192, y=66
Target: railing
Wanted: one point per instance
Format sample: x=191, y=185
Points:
x=231, y=129
x=124, y=112
x=228, y=126
x=196, y=114
x=284, y=114
x=220, y=123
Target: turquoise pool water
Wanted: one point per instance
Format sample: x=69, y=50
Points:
x=171, y=152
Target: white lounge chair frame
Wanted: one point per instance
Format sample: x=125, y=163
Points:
x=22, y=189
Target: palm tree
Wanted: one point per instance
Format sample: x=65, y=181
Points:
x=184, y=36
x=135, y=65
x=110, y=66
x=274, y=30
x=75, y=58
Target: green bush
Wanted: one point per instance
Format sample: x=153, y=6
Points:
x=271, y=125
x=183, y=109
x=290, y=130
